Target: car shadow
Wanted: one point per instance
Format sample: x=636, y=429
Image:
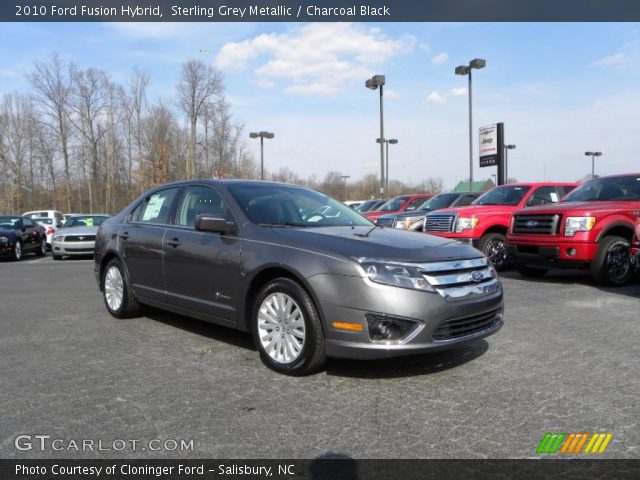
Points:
x=578, y=277
x=409, y=366
x=213, y=331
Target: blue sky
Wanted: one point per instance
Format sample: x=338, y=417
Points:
x=560, y=88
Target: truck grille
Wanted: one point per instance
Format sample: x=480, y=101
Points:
x=464, y=327
x=461, y=280
x=540, y=224
x=439, y=223
x=385, y=222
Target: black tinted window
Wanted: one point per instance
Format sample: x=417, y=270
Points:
x=542, y=196
x=157, y=207
x=198, y=201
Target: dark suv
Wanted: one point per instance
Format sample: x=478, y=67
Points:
x=259, y=257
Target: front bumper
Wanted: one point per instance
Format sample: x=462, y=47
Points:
x=73, y=248
x=350, y=299
x=560, y=252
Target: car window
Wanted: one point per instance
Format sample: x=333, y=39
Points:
x=200, y=200
x=27, y=222
x=85, y=221
x=393, y=204
x=466, y=200
x=542, y=196
x=505, y=195
x=565, y=189
x=415, y=203
x=157, y=207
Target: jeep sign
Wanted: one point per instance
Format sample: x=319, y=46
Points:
x=489, y=146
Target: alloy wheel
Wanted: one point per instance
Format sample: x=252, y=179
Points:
x=113, y=288
x=17, y=251
x=281, y=327
x=497, y=253
x=618, y=263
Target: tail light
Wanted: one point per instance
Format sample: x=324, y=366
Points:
x=50, y=231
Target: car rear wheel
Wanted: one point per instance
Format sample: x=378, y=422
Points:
x=530, y=272
x=612, y=265
x=17, y=251
x=494, y=246
x=116, y=291
x=42, y=251
x=287, y=329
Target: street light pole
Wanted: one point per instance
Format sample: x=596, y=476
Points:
x=261, y=135
x=345, y=177
x=476, y=63
x=373, y=83
x=593, y=156
x=506, y=161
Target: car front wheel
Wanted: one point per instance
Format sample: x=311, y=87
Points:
x=494, y=246
x=116, y=291
x=17, y=251
x=287, y=329
x=612, y=265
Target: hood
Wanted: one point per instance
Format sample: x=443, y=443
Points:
x=375, y=242
x=78, y=231
x=478, y=210
x=373, y=216
x=7, y=232
x=412, y=213
x=583, y=208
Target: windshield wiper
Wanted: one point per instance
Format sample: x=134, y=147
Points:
x=284, y=224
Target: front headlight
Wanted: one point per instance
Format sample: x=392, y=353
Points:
x=466, y=224
x=403, y=224
x=58, y=238
x=395, y=274
x=578, y=224
x=4, y=239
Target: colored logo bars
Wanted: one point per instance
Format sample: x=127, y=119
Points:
x=573, y=443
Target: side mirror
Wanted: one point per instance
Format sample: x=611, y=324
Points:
x=215, y=224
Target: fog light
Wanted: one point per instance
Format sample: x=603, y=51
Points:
x=386, y=328
x=571, y=252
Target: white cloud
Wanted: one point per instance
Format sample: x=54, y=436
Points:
x=391, y=94
x=264, y=83
x=459, y=92
x=435, y=97
x=440, y=58
x=615, y=60
x=315, y=54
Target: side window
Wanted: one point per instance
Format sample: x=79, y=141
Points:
x=415, y=204
x=562, y=191
x=542, y=196
x=27, y=222
x=199, y=200
x=156, y=208
x=466, y=200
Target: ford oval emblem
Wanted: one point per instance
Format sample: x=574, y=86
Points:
x=532, y=224
x=477, y=276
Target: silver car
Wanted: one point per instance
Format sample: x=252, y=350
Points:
x=77, y=237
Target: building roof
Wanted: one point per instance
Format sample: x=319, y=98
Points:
x=480, y=186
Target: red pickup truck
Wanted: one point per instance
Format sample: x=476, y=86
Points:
x=401, y=203
x=635, y=245
x=591, y=228
x=484, y=223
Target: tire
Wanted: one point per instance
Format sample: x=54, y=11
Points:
x=530, y=272
x=612, y=265
x=42, y=251
x=494, y=246
x=116, y=291
x=17, y=251
x=56, y=257
x=300, y=350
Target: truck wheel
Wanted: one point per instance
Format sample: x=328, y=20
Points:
x=494, y=246
x=530, y=272
x=287, y=330
x=612, y=265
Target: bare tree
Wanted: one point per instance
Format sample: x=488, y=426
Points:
x=52, y=81
x=200, y=85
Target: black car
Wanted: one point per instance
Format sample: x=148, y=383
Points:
x=414, y=220
x=308, y=276
x=20, y=235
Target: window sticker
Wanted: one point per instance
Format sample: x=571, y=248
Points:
x=153, y=208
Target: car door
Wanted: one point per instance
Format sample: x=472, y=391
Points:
x=31, y=236
x=140, y=243
x=202, y=269
x=543, y=196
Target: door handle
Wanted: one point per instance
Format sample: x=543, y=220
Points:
x=124, y=235
x=174, y=242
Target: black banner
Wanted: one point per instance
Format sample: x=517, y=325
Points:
x=323, y=468
x=321, y=11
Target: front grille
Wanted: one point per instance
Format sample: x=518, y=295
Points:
x=461, y=279
x=439, y=223
x=385, y=222
x=463, y=327
x=540, y=224
x=78, y=250
x=80, y=238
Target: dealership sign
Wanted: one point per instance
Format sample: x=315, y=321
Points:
x=489, y=151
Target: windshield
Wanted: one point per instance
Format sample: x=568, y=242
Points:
x=394, y=204
x=365, y=206
x=508, y=195
x=603, y=189
x=43, y=220
x=439, y=201
x=285, y=205
x=85, y=221
x=9, y=222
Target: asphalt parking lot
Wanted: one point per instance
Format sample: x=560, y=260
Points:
x=567, y=360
